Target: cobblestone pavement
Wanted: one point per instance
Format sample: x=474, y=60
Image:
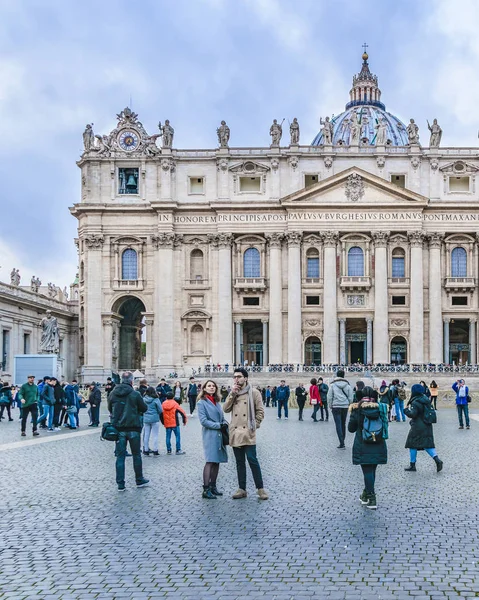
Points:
x=66, y=533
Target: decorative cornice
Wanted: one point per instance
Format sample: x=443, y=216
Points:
x=294, y=239
x=93, y=241
x=275, y=239
x=435, y=240
x=416, y=238
x=330, y=238
x=380, y=238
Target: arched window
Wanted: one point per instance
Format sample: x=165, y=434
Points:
x=458, y=262
x=355, y=262
x=312, y=263
x=251, y=263
x=197, y=340
x=129, y=264
x=398, y=263
x=82, y=271
x=196, y=265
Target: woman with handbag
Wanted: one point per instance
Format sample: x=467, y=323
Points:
x=213, y=422
x=434, y=391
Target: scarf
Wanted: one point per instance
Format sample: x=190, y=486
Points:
x=251, y=411
x=210, y=398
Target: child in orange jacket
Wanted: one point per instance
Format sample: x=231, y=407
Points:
x=172, y=412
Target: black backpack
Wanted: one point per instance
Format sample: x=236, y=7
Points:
x=430, y=416
x=372, y=430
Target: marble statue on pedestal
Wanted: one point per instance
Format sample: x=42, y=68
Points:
x=223, y=133
x=294, y=132
x=49, y=341
x=436, y=134
x=276, y=132
x=167, y=132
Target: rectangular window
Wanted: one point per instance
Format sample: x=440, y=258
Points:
x=399, y=180
x=398, y=266
x=128, y=181
x=250, y=184
x=458, y=184
x=26, y=343
x=312, y=300
x=197, y=185
x=459, y=300
x=313, y=267
x=5, y=348
x=310, y=180
x=251, y=301
x=399, y=300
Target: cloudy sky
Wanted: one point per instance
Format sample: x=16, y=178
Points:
x=64, y=63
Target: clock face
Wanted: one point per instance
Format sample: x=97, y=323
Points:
x=128, y=140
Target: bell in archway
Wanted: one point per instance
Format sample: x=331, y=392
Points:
x=131, y=183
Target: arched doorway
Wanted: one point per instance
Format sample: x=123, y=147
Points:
x=312, y=351
x=398, y=350
x=130, y=353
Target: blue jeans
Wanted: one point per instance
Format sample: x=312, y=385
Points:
x=47, y=416
x=413, y=453
x=72, y=420
x=340, y=416
x=120, y=450
x=283, y=403
x=399, y=404
x=463, y=409
x=176, y=431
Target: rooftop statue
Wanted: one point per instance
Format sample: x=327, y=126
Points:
x=413, y=133
x=382, y=132
x=88, y=137
x=294, y=132
x=15, y=277
x=276, y=132
x=327, y=131
x=436, y=134
x=167, y=132
x=223, y=133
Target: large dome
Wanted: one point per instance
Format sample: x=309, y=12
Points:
x=366, y=114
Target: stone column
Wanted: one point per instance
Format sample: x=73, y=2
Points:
x=265, y=343
x=330, y=320
x=238, y=342
x=472, y=341
x=225, y=310
x=435, y=299
x=275, y=299
x=93, y=308
x=149, y=322
x=108, y=343
x=381, y=323
x=294, y=297
x=165, y=243
x=446, y=341
x=416, y=300
x=369, y=341
x=342, y=341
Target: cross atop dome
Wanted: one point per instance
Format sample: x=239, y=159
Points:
x=365, y=90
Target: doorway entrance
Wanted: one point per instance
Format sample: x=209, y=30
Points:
x=252, y=346
x=312, y=351
x=131, y=348
x=459, y=348
x=398, y=350
x=356, y=341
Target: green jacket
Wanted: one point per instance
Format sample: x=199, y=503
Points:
x=29, y=393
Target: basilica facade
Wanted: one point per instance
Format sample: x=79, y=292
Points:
x=361, y=246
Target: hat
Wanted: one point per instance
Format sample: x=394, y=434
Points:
x=383, y=383
x=417, y=390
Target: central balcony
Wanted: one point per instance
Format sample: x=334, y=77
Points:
x=459, y=284
x=250, y=284
x=355, y=283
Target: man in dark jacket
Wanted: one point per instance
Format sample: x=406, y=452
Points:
x=126, y=407
x=162, y=389
x=323, y=392
x=48, y=397
x=300, y=399
x=94, y=399
x=192, y=394
x=109, y=386
x=282, y=397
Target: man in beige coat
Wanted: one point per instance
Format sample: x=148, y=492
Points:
x=246, y=407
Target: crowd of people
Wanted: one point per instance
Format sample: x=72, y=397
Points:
x=137, y=413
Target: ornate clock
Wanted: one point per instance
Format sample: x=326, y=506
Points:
x=128, y=140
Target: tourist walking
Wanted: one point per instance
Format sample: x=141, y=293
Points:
x=28, y=396
x=178, y=392
x=192, y=393
x=385, y=396
x=434, y=391
x=314, y=398
x=369, y=421
x=162, y=389
x=301, y=394
x=282, y=398
x=420, y=436
x=126, y=407
x=247, y=410
x=71, y=405
x=426, y=388
x=323, y=394
x=151, y=422
x=267, y=396
x=94, y=399
x=110, y=386
x=340, y=396
x=399, y=396
x=59, y=394
x=172, y=412
x=6, y=400
x=462, y=402
x=213, y=423
x=48, y=398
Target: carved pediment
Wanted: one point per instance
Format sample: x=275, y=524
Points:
x=127, y=240
x=196, y=314
x=250, y=239
x=459, y=167
x=312, y=239
x=249, y=167
x=195, y=240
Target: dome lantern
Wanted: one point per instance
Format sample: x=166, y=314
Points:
x=365, y=90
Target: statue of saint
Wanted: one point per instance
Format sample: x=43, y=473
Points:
x=294, y=132
x=327, y=131
x=275, y=131
x=151, y=149
x=381, y=132
x=104, y=145
x=49, y=341
x=167, y=132
x=436, y=134
x=412, y=133
x=15, y=277
x=354, y=128
x=35, y=284
x=88, y=138
x=223, y=133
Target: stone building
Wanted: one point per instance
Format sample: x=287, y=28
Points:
x=359, y=247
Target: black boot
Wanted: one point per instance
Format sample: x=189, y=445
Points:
x=214, y=490
x=412, y=467
x=207, y=493
x=439, y=463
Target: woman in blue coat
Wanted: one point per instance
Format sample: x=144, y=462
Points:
x=212, y=418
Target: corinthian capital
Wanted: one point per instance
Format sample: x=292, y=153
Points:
x=94, y=241
x=275, y=239
x=330, y=238
x=294, y=238
x=435, y=240
x=380, y=238
x=416, y=238
x=225, y=240
x=166, y=240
